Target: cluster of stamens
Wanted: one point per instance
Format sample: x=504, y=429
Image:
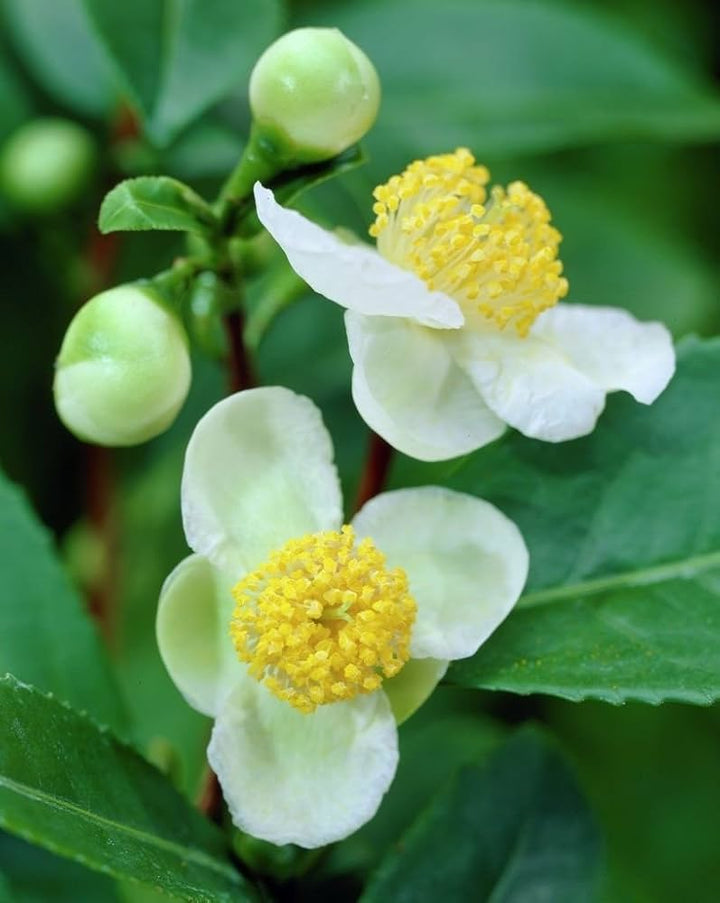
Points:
x=323, y=619
x=495, y=253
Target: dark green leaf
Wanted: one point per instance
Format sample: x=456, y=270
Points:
x=516, y=832
x=45, y=636
x=37, y=876
x=154, y=202
x=70, y=786
x=14, y=104
x=503, y=76
x=179, y=57
x=58, y=45
x=623, y=600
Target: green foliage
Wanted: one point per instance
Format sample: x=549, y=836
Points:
x=106, y=807
x=154, y=202
x=519, y=830
x=57, y=43
x=622, y=600
x=507, y=76
x=177, y=58
x=45, y=636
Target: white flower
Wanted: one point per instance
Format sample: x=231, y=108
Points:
x=280, y=612
x=453, y=323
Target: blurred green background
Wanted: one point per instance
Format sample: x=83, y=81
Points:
x=610, y=111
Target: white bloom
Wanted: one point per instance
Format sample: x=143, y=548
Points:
x=281, y=612
x=453, y=323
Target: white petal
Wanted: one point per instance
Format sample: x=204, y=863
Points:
x=258, y=471
x=409, y=689
x=304, y=779
x=354, y=276
x=611, y=347
x=192, y=633
x=409, y=389
x=466, y=562
x=531, y=385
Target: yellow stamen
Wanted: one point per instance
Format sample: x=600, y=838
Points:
x=496, y=254
x=323, y=619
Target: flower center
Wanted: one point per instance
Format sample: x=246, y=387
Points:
x=495, y=254
x=323, y=619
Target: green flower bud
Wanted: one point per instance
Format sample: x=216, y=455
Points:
x=46, y=164
x=314, y=93
x=123, y=371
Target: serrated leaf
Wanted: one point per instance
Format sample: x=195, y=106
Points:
x=507, y=76
x=73, y=788
x=179, y=56
x=45, y=635
x=154, y=203
x=623, y=599
x=516, y=831
x=59, y=47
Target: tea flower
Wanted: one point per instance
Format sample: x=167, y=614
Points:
x=454, y=323
x=306, y=640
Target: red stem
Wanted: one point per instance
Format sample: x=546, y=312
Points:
x=377, y=467
x=240, y=370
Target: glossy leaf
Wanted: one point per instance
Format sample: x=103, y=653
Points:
x=45, y=636
x=58, y=45
x=106, y=806
x=516, y=831
x=179, y=56
x=504, y=76
x=623, y=600
x=154, y=203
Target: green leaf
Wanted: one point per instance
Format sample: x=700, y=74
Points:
x=154, y=203
x=517, y=831
x=179, y=56
x=5, y=893
x=36, y=876
x=14, y=104
x=623, y=599
x=45, y=636
x=105, y=806
x=506, y=76
x=59, y=47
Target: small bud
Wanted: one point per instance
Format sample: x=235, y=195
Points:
x=123, y=371
x=314, y=93
x=46, y=164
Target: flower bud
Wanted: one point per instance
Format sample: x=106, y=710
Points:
x=314, y=93
x=46, y=164
x=123, y=371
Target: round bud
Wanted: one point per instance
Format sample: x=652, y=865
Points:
x=123, y=371
x=46, y=164
x=314, y=93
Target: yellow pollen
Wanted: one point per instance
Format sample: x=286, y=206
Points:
x=323, y=619
x=494, y=252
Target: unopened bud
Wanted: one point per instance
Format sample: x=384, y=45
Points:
x=123, y=371
x=46, y=164
x=314, y=93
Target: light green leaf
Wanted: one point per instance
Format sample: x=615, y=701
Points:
x=59, y=47
x=623, y=600
x=517, y=831
x=45, y=636
x=72, y=787
x=504, y=76
x=152, y=203
x=179, y=56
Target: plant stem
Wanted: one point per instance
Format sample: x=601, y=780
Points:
x=377, y=467
x=241, y=374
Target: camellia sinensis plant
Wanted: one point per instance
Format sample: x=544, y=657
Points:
x=309, y=630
